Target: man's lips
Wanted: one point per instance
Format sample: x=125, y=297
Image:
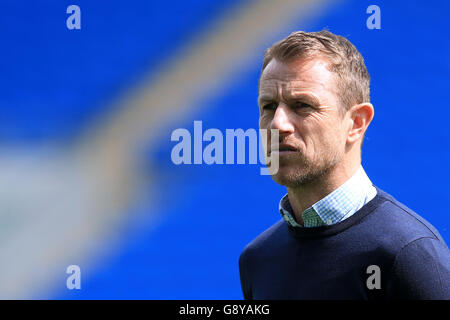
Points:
x=285, y=148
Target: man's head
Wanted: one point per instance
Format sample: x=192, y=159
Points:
x=314, y=88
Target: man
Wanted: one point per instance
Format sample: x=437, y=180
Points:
x=341, y=237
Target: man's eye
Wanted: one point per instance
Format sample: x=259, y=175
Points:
x=301, y=105
x=270, y=106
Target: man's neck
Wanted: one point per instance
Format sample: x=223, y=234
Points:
x=304, y=196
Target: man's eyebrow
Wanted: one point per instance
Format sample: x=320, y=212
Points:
x=307, y=97
x=265, y=97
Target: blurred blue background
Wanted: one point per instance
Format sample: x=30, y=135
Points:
x=75, y=191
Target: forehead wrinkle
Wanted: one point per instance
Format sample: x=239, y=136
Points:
x=301, y=75
x=269, y=91
x=286, y=91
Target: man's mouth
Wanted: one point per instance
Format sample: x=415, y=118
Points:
x=285, y=148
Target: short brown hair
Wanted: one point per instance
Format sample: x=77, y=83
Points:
x=345, y=61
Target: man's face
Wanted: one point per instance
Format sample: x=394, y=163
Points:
x=299, y=99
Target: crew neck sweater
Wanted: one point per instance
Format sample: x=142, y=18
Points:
x=383, y=251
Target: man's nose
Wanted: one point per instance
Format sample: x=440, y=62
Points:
x=281, y=120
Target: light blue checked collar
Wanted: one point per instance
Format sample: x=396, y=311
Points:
x=335, y=207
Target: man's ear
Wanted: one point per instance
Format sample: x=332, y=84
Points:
x=360, y=115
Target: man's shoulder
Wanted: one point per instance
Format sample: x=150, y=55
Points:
x=386, y=222
x=397, y=220
x=277, y=234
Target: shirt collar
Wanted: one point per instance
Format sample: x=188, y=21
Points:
x=335, y=207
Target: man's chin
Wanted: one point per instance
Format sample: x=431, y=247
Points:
x=288, y=178
x=299, y=176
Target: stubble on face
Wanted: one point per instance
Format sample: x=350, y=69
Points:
x=298, y=169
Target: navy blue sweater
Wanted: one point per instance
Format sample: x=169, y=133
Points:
x=331, y=262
